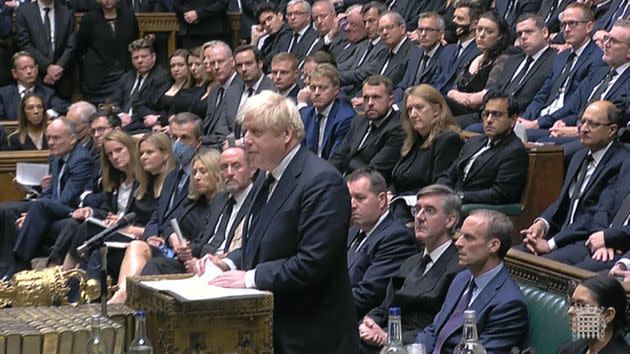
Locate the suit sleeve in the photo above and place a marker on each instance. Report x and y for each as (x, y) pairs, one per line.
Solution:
(386, 158)
(341, 131)
(449, 177)
(341, 155)
(70, 43)
(538, 103)
(446, 151)
(214, 7)
(23, 38)
(79, 174)
(504, 327)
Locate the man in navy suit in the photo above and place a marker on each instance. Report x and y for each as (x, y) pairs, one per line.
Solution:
(327, 119)
(485, 287)
(391, 27)
(292, 245)
(465, 18)
(511, 10)
(377, 243)
(285, 75)
(24, 70)
(303, 36)
(419, 287)
(275, 35)
(559, 231)
(72, 169)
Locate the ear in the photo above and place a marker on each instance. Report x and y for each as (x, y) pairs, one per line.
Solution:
(609, 314)
(382, 200)
(450, 221)
(495, 245)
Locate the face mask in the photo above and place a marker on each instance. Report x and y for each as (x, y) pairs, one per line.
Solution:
(183, 153)
(462, 30)
(588, 322)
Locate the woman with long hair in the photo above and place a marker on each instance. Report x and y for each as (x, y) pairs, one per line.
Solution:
(32, 123)
(203, 81)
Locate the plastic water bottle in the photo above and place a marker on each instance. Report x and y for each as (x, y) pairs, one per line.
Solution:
(470, 343)
(96, 345)
(140, 343)
(394, 334)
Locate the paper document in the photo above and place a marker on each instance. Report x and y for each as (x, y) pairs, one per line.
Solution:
(197, 288)
(30, 174)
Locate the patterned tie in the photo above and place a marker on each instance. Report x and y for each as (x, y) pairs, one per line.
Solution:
(456, 318)
(577, 189)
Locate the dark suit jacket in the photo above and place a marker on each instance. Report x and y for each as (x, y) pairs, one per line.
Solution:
(335, 48)
(304, 44)
(418, 296)
(398, 63)
(546, 6)
(213, 21)
(309, 208)
(497, 176)
(530, 85)
(618, 94)
(351, 74)
(605, 173)
(10, 101)
(337, 125)
(162, 214)
(589, 61)
(99, 47)
(617, 344)
(617, 237)
(500, 309)
(379, 257)
(455, 65)
(219, 121)
(522, 7)
(145, 102)
(78, 172)
(429, 75)
(380, 150)
(607, 21)
(276, 43)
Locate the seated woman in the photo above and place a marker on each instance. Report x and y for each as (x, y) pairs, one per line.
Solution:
(179, 96)
(32, 122)
(597, 315)
(203, 81)
(205, 181)
(492, 36)
(432, 142)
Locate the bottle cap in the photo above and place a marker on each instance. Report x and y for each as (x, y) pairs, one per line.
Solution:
(394, 311)
(469, 314)
(140, 314)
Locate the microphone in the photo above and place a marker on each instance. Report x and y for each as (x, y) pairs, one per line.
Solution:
(101, 236)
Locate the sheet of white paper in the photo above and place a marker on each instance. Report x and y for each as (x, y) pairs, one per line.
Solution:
(197, 288)
(30, 174)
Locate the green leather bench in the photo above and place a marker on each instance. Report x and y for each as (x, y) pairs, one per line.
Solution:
(548, 320)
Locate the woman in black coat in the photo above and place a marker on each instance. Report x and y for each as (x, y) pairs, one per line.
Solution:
(102, 41)
(32, 122)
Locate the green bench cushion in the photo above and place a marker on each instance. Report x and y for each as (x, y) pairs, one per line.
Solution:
(548, 320)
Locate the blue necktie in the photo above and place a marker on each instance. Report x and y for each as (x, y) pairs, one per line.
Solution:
(456, 319)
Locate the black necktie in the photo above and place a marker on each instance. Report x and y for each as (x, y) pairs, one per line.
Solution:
(220, 234)
(47, 24)
(261, 200)
(220, 96)
(513, 85)
(352, 252)
(250, 92)
(315, 146)
(564, 75)
(390, 55)
(577, 189)
(422, 266)
(294, 42)
(599, 91)
(421, 68)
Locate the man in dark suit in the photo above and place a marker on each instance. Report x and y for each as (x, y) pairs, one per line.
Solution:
(511, 10)
(223, 226)
(465, 18)
(327, 119)
(394, 36)
(330, 37)
(559, 231)
(375, 138)
(550, 11)
(285, 75)
(202, 20)
(485, 287)
(491, 168)
(419, 287)
(302, 205)
(571, 67)
(224, 98)
(427, 66)
(140, 89)
(273, 35)
(24, 70)
(72, 168)
(303, 36)
(45, 29)
(377, 243)
(619, 9)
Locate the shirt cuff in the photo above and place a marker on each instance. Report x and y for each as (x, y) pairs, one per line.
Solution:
(625, 262)
(250, 277)
(544, 222)
(552, 244)
(229, 263)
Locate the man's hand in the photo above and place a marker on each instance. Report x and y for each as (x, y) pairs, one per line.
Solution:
(596, 241)
(537, 246)
(151, 120)
(563, 132)
(184, 253)
(620, 271)
(304, 96)
(155, 241)
(413, 37)
(604, 254)
(20, 221)
(125, 119)
(529, 124)
(45, 182)
(11, 4)
(201, 263)
(82, 213)
(560, 47)
(257, 33)
(191, 265)
(598, 37)
(53, 72)
(191, 16)
(537, 230)
(230, 279)
(357, 102)
(371, 333)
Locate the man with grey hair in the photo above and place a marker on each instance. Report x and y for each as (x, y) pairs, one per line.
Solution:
(299, 19)
(80, 113)
(72, 168)
(301, 204)
(420, 285)
(331, 38)
(485, 286)
(391, 27)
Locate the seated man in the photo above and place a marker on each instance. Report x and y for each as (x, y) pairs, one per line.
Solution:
(419, 287)
(391, 27)
(24, 70)
(485, 287)
(299, 19)
(491, 168)
(285, 75)
(272, 35)
(330, 38)
(375, 137)
(327, 119)
(377, 242)
(560, 231)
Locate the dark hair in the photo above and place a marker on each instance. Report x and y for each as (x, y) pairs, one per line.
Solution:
(246, 47)
(183, 118)
(500, 95)
(266, 6)
(499, 227)
(141, 43)
(474, 11)
(22, 129)
(587, 12)
(321, 57)
(377, 181)
(377, 80)
(538, 20)
(112, 118)
(505, 38)
(608, 292)
(376, 5)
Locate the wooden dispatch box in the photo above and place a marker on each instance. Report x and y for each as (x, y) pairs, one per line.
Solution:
(219, 326)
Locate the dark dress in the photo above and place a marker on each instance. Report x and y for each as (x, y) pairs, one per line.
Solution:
(15, 145)
(180, 102)
(616, 345)
(199, 104)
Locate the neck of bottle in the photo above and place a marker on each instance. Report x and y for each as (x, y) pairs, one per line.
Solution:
(394, 332)
(95, 330)
(141, 329)
(470, 330)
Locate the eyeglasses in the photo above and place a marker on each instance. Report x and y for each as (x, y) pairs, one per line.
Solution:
(427, 29)
(495, 114)
(428, 211)
(100, 130)
(571, 24)
(296, 13)
(608, 39)
(594, 125)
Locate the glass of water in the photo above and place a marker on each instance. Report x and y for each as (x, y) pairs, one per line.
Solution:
(416, 348)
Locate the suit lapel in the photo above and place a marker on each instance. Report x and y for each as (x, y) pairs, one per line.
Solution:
(600, 167)
(468, 153)
(622, 82)
(363, 127)
(217, 208)
(240, 216)
(430, 279)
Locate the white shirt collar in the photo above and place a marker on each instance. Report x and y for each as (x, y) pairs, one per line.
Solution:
(278, 171)
(438, 251)
(431, 53)
(229, 82)
(256, 84)
(326, 111)
(240, 198)
(466, 43)
(599, 154)
(397, 47)
(539, 53)
(580, 50)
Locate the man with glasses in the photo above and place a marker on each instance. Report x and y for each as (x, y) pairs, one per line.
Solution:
(560, 231)
(299, 19)
(491, 168)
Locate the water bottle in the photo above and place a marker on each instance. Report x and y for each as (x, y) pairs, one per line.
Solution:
(96, 345)
(470, 343)
(140, 343)
(394, 334)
